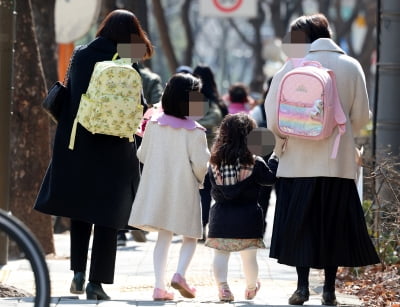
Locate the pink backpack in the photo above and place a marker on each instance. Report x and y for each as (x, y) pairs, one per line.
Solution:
(308, 103)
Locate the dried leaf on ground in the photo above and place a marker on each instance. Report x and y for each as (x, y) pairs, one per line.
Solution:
(376, 285)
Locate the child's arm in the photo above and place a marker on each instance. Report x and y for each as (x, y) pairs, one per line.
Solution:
(266, 172)
(199, 155)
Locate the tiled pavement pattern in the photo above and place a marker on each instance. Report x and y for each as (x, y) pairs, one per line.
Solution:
(134, 278)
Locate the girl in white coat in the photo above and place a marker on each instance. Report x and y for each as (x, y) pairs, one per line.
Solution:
(174, 153)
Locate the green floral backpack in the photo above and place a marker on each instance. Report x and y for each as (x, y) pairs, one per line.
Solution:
(112, 103)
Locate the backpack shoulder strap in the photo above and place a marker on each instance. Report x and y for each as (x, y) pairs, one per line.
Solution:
(296, 62)
(339, 115)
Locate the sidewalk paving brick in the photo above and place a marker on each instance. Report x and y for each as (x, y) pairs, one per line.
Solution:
(134, 278)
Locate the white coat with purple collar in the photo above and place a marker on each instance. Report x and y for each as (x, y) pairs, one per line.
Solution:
(175, 154)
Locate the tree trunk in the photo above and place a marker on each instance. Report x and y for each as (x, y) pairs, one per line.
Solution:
(7, 26)
(164, 36)
(139, 8)
(324, 6)
(30, 130)
(43, 19)
(106, 7)
(280, 22)
(188, 53)
(258, 79)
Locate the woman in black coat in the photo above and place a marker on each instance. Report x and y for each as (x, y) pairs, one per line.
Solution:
(95, 183)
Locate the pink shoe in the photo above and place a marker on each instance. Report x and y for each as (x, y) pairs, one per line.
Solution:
(162, 295)
(224, 293)
(179, 283)
(251, 293)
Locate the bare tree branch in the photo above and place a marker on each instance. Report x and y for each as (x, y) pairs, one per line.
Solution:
(279, 22)
(240, 33)
(164, 35)
(343, 27)
(188, 53)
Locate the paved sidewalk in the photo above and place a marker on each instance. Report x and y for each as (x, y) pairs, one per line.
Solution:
(134, 278)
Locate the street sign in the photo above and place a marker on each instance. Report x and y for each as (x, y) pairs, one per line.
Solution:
(228, 8)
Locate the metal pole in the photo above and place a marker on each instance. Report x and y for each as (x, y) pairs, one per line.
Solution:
(7, 37)
(376, 86)
(388, 68)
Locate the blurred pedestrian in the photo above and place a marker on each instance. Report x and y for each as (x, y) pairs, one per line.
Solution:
(319, 221)
(211, 120)
(152, 85)
(217, 110)
(174, 153)
(236, 219)
(258, 114)
(238, 98)
(95, 183)
(184, 69)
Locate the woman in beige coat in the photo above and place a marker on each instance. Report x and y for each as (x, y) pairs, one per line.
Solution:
(174, 153)
(319, 221)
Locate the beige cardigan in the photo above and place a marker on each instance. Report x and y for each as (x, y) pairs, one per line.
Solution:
(307, 158)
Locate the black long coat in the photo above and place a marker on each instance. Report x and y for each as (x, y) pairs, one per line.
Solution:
(96, 182)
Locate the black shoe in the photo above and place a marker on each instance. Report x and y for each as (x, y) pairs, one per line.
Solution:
(95, 292)
(329, 298)
(299, 296)
(204, 237)
(77, 283)
(121, 239)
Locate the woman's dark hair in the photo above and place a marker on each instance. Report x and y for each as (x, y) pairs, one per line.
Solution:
(209, 89)
(175, 99)
(314, 26)
(238, 93)
(231, 141)
(120, 26)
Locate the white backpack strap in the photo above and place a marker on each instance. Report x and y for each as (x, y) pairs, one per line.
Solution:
(73, 134)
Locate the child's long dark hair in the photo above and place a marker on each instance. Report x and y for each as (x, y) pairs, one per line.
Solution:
(231, 141)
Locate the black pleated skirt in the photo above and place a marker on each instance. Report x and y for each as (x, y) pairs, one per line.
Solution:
(319, 222)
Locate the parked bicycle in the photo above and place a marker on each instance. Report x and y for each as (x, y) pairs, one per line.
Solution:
(18, 232)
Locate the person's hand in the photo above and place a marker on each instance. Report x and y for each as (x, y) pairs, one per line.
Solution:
(359, 153)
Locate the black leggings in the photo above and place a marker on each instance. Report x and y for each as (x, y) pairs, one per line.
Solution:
(104, 250)
(330, 277)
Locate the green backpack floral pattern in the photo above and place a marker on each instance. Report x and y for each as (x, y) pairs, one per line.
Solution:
(112, 103)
